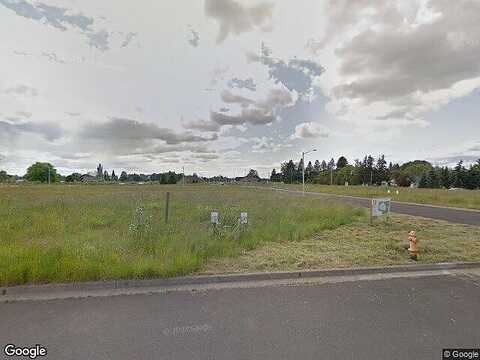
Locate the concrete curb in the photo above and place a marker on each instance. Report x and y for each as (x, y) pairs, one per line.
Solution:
(22, 290)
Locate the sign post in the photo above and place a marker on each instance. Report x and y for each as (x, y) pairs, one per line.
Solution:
(243, 220)
(214, 220)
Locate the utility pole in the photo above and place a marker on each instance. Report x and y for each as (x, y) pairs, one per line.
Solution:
(303, 172)
(183, 177)
(303, 168)
(331, 176)
(48, 175)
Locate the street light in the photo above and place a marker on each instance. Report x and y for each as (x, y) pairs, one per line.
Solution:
(303, 167)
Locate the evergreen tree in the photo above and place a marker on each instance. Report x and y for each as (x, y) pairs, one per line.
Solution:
(433, 179)
(106, 177)
(123, 176)
(3, 176)
(323, 166)
(100, 172)
(424, 181)
(459, 175)
(342, 162)
(114, 177)
(381, 172)
(316, 168)
(299, 171)
(273, 176)
(309, 171)
(445, 177)
(472, 177)
(172, 177)
(331, 164)
(288, 172)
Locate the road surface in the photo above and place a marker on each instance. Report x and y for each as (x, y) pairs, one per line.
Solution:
(395, 318)
(460, 216)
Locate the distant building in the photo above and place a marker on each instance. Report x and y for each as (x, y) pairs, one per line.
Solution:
(248, 179)
(88, 178)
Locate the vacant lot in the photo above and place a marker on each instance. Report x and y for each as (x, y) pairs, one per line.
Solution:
(63, 233)
(469, 199)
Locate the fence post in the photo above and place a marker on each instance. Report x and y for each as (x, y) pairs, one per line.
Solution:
(167, 206)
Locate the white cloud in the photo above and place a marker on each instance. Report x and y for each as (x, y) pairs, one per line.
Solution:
(383, 68)
(310, 130)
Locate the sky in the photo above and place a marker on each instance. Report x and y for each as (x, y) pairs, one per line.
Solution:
(222, 86)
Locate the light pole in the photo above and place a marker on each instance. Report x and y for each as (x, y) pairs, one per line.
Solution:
(303, 167)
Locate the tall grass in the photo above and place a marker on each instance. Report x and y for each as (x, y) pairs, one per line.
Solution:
(64, 233)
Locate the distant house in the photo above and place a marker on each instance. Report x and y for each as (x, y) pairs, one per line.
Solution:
(248, 179)
(88, 178)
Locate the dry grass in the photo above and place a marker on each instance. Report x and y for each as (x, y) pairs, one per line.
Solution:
(360, 244)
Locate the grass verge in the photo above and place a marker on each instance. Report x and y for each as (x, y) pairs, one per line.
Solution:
(359, 244)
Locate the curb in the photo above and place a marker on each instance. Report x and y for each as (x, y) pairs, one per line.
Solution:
(222, 279)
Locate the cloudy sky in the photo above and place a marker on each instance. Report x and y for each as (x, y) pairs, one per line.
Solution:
(219, 86)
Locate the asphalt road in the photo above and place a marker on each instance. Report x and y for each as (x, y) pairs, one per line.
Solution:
(433, 212)
(397, 318)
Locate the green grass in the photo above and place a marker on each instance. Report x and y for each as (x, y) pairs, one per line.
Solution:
(469, 199)
(65, 233)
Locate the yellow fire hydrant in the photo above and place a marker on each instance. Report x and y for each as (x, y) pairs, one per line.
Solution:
(413, 250)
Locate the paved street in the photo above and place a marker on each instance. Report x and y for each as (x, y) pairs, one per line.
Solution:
(432, 212)
(393, 318)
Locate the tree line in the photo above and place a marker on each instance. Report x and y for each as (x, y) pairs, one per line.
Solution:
(371, 171)
(46, 173)
(368, 171)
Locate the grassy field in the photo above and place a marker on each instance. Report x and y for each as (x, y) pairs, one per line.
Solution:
(360, 244)
(63, 233)
(469, 199)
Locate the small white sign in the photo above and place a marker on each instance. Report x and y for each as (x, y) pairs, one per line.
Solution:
(214, 217)
(381, 207)
(243, 218)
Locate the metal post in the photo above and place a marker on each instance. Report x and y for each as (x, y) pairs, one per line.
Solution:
(371, 212)
(167, 207)
(303, 172)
